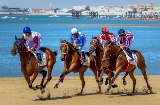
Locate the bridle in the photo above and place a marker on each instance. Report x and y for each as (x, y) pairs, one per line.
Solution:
(66, 50)
(19, 46)
(97, 45)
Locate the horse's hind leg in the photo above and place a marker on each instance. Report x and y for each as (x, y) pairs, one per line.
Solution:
(44, 73)
(95, 74)
(146, 79)
(81, 76)
(124, 78)
(133, 79)
(49, 75)
(142, 66)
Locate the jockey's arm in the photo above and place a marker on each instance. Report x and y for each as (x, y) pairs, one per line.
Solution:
(81, 41)
(35, 40)
(113, 39)
(71, 40)
(102, 40)
(23, 40)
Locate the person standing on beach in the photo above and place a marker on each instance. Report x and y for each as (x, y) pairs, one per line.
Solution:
(106, 36)
(78, 40)
(34, 39)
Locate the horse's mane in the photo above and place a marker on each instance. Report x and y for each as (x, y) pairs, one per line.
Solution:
(94, 37)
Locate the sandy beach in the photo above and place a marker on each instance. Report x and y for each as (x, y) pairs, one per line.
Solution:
(15, 91)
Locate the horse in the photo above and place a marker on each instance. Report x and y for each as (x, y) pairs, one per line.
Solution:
(29, 65)
(96, 47)
(73, 63)
(114, 55)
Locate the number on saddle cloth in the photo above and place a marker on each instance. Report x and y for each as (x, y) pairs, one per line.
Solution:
(135, 59)
(41, 58)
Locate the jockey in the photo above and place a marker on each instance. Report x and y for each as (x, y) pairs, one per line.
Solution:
(78, 40)
(106, 36)
(124, 41)
(34, 40)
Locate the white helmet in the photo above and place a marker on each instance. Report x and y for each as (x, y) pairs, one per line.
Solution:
(74, 31)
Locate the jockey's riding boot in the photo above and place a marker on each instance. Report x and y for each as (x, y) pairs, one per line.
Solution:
(39, 59)
(129, 53)
(83, 56)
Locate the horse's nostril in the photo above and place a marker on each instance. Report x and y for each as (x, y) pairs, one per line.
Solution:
(104, 68)
(62, 59)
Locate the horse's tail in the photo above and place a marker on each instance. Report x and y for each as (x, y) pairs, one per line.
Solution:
(55, 53)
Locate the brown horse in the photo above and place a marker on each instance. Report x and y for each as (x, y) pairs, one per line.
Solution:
(114, 55)
(96, 47)
(72, 63)
(29, 66)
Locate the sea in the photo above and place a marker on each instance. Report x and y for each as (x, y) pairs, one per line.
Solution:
(146, 39)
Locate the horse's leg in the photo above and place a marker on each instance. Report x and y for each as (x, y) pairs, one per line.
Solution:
(61, 78)
(146, 79)
(113, 79)
(27, 78)
(94, 70)
(101, 77)
(142, 66)
(50, 67)
(81, 76)
(133, 79)
(124, 78)
(34, 75)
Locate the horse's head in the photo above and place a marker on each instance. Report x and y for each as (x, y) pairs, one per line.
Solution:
(64, 48)
(18, 46)
(109, 50)
(94, 45)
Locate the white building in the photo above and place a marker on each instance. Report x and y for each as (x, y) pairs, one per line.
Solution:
(79, 8)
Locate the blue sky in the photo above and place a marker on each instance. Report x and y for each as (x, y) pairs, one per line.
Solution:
(71, 3)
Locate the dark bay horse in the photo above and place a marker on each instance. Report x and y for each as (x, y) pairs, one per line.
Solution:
(29, 66)
(96, 47)
(72, 63)
(115, 55)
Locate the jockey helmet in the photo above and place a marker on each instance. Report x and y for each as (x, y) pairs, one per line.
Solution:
(121, 32)
(105, 29)
(26, 29)
(74, 31)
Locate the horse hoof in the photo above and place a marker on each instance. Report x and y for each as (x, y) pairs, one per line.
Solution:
(106, 82)
(107, 92)
(34, 88)
(61, 80)
(42, 90)
(30, 86)
(124, 82)
(56, 86)
(38, 86)
(114, 86)
(100, 83)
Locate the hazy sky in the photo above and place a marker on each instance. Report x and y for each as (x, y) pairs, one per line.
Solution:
(69, 3)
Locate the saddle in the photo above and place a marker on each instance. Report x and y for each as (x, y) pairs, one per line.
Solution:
(134, 57)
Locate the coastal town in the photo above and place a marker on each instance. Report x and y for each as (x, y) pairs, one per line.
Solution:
(140, 11)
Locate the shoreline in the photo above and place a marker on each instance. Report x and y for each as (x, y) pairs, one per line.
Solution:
(106, 24)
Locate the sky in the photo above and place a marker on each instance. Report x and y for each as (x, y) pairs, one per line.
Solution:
(70, 3)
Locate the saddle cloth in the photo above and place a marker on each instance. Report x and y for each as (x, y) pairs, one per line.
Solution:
(134, 61)
(87, 63)
(43, 56)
